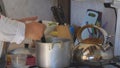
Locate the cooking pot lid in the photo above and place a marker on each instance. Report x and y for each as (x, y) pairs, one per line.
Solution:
(19, 51)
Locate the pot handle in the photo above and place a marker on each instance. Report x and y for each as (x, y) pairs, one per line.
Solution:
(104, 33)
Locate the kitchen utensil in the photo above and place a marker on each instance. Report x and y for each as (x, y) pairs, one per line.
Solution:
(54, 11)
(92, 40)
(61, 14)
(57, 15)
(93, 51)
(54, 54)
(90, 18)
(63, 32)
(62, 29)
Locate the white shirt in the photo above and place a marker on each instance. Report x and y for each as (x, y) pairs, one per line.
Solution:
(11, 30)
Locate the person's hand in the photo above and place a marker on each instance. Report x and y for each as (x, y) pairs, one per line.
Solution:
(24, 20)
(34, 30)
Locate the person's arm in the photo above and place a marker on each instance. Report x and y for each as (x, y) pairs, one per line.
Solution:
(16, 31)
(11, 30)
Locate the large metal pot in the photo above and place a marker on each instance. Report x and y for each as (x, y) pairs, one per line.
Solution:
(56, 54)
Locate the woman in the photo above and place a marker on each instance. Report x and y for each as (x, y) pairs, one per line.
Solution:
(17, 30)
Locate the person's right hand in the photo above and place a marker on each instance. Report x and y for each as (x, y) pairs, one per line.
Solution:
(34, 30)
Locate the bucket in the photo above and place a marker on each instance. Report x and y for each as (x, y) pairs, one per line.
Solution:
(55, 54)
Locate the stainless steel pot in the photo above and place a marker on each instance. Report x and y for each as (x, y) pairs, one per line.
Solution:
(56, 54)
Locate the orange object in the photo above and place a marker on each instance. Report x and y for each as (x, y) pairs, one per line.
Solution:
(8, 59)
(63, 32)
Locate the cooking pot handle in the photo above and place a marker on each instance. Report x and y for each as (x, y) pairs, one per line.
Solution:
(79, 33)
(60, 45)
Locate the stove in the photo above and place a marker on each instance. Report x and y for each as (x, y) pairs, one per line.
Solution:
(112, 63)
